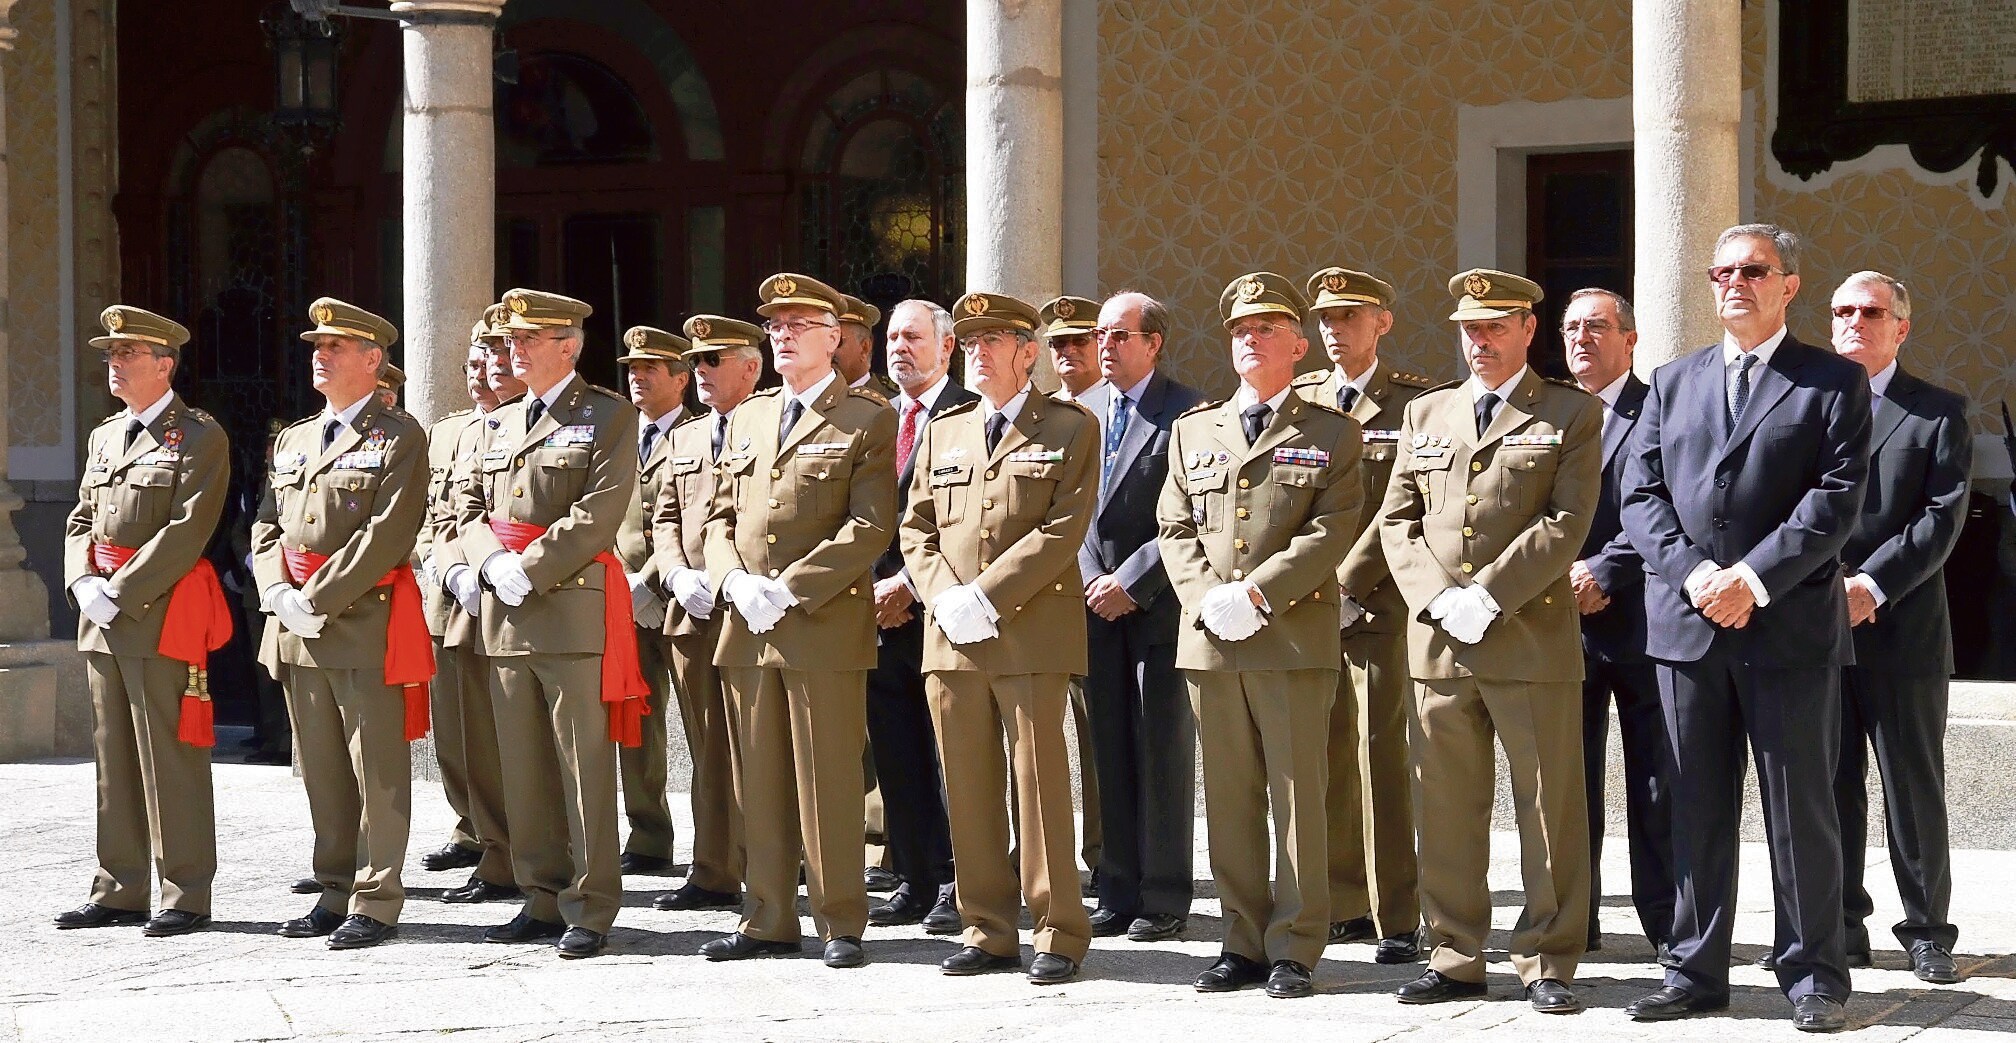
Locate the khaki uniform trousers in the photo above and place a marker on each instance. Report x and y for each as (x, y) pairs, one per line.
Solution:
(1093, 842)
(1373, 870)
(154, 802)
(350, 738)
(473, 734)
(969, 710)
(1540, 726)
(1264, 735)
(560, 791)
(642, 769)
(798, 741)
(703, 708)
(444, 697)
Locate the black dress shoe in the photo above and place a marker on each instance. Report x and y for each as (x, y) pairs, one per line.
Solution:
(1672, 1001)
(307, 885)
(450, 856)
(1107, 923)
(1768, 960)
(974, 960)
(317, 923)
(1232, 971)
(906, 905)
(1666, 956)
(91, 914)
(524, 928)
(361, 932)
(1931, 962)
(482, 891)
(1356, 929)
(1155, 927)
(580, 942)
(1289, 980)
(876, 878)
(1818, 1014)
(1436, 987)
(1552, 996)
(693, 896)
(634, 864)
(1400, 948)
(944, 915)
(739, 946)
(170, 922)
(844, 951)
(1048, 968)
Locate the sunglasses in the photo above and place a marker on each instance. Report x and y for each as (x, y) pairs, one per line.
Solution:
(1847, 312)
(1723, 275)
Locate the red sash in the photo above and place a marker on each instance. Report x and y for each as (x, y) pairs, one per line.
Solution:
(409, 649)
(198, 623)
(623, 686)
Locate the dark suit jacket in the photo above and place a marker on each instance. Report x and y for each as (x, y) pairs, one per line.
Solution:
(1618, 632)
(1121, 540)
(1781, 492)
(955, 394)
(1921, 455)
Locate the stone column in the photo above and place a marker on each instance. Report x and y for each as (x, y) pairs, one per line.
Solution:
(1014, 141)
(24, 600)
(450, 193)
(1686, 110)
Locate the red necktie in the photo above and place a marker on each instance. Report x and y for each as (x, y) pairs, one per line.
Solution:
(906, 436)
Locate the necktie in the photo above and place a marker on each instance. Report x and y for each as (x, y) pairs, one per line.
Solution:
(1116, 430)
(792, 411)
(720, 434)
(533, 411)
(1347, 396)
(329, 433)
(133, 431)
(1739, 389)
(906, 435)
(1487, 407)
(994, 425)
(1254, 420)
(651, 434)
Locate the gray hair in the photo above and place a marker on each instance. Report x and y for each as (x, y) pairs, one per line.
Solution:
(941, 320)
(1900, 298)
(1154, 314)
(1627, 318)
(742, 351)
(1786, 241)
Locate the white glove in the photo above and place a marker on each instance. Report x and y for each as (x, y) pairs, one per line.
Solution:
(1469, 614)
(267, 596)
(430, 578)
(965, 616)
(650, 615)
(94, 599)
(775, 592)
(297, 615)
(465, 588)
(752, 600)
(1349, 611)
(690, 589)
(1229, 612)
(506, 572)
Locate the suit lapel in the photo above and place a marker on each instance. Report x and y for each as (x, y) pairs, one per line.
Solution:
(953, 395)
(814, 417)
(1623, 418)
(1370, 404)
(346, 439)
(1280, 427)
(1511, 412)
(1020, 428)
(1772, 383)
(1890, 411)
(1140, 428)
(549, 422)
(143, 443)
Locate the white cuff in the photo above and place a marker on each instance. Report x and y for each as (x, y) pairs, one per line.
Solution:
(1694, 580)
(1750, 580)
(1868, 583)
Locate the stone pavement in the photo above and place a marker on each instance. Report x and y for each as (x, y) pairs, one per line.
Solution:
(238, 981)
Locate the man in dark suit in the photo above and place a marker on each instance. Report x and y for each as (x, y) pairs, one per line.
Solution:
(1600, 331)
(1894, 697)
(1144, 735)
(900, 735)
(1745, 481)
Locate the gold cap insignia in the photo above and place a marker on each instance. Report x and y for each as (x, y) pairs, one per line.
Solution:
(1335, 282)
(635, 339)
(1066, 309)
(1251, 288)
(114, 321)
(701, 327)
(323, 314)
(785, 287)
(1476, 286)
(976, 304)
(516, 304)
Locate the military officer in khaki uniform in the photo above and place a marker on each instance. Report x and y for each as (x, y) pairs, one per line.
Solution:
(726, 355)
(1484, 516)
(538, 522)
(344, 503)
(1373, 872)
(855, 361)
(1262, 498)
(391, 380)
(1000, 500)
(154, 485)
(805, 503)
(658, 375)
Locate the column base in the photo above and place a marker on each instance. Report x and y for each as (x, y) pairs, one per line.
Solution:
(45, 701)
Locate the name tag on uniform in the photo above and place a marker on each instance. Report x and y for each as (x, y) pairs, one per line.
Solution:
(823, 448)
(1430, 451)
(1308, 457)
(1373, 436)
(1037, 456)
(160, 457)
(493, 455)
(571, 435)
(286, 463)
(1201, 476)
(685, 464)
(361, 460)
(1530, 440)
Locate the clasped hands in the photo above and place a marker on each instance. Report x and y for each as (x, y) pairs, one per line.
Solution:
(1464, 612)
(1725, 598)
(1232, 611)
(293, 609)
(965, 615)
(94, 599)
(1589, 596)
(761, 601)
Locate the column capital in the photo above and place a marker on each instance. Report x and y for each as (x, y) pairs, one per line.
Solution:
(473, 9)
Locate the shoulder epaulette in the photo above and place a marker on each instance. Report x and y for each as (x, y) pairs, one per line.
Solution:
(619, 397)
(1325, 407)
(963, 407)
(691, 418)
(870, 394)
(1314, 376)
(1446, 385)
(112, 416)
(765, 391)
(451, 416)
(1199, 408)
(306, 419)
(1564, 383)
(1075, 404)
(1411, 379)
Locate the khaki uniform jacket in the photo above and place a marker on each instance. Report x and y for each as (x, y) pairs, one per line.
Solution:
(1508, 510)
(1279, 514)
(573, 473)
(634, 538)
(814, 513)
(1363, 574)
(679, 521)
(1010, 522)
(444, 448)
(162, 496)
(361, 503)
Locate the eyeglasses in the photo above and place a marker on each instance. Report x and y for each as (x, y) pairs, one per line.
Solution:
(1594, 326)
(1076, 340)
(1847, 312)
(796, 327)
(124, 354)
(1257, 330)
(1724, 274)
(1117, 337)
(992, 339)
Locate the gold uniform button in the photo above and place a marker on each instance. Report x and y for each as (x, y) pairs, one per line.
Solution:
(1060, 586)
(984, 534)
(580, 581)
(1471, 499)
(770, 537)
(521, 461)
(1468, 531)
(1476, 466)
(311, 519)
(1529, 465)
(773, 573)
(775, 473)
(1547, 600)
(1467, 568)
(381, 597)
(853, 590)
(1317, 596)
(1238, 574)
(1245, 484)
(1241, 512)
(312, 488)
(518, 491)
(1239, 544)
(990, 476)
(774, 504)
(986, 505)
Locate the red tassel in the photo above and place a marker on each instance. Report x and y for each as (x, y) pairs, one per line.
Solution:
(198, 724)
(626, 722)
(416, 712)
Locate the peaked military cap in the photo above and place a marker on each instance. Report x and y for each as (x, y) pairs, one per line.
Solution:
(854, 309)
(979, 312)
(1484, 293)
(1067, 315)
(1335, 287)
(125, 322)
(1260, 293)
(651, 344)
(339, 319)
(391, 378)
(490, 326)
(711, 333)
(539, 310)
(786, 288)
